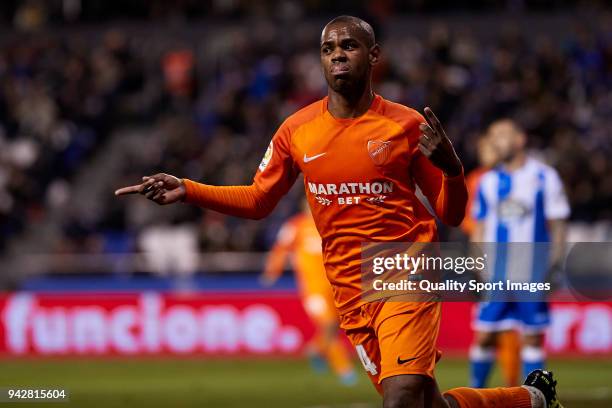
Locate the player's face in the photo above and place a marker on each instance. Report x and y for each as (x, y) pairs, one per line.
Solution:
(345, 57)
(487, 156)
(506, 140)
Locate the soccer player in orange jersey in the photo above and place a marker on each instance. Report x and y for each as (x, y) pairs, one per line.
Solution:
(362, 158)
(299, 239)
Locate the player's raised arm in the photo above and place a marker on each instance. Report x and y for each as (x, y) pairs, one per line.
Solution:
(437, 147)
(276, 174)
(438, 171)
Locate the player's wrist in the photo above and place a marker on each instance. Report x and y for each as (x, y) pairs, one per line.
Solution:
(453, 171)
(182, 190)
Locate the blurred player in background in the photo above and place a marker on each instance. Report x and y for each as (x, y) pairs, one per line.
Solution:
(362, 158)
(299, 239)
(520, 200)
(508, 341)
(487, 159)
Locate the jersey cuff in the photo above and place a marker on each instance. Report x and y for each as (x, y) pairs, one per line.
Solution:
(189, 190)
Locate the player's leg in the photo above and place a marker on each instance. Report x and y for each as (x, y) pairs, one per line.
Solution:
(534, 318)
(512, 397)
(340, 360)
(363, 327)
(433, 396)
(533, 354)
(369, 355)
(315, 353)
(409, 381)
(329, 341)
(316, 347)
(336, 353)
(356, 325)
(538, 391)
(417, 391)
(482, 357)
(405, 330)
(509, 356)
(491, 318)
(412, 390)
(407, 333)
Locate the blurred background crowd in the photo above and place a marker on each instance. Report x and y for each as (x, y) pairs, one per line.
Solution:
(197, 89)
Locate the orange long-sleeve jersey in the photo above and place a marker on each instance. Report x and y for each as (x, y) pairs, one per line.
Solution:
(360, 177)
(299, 239)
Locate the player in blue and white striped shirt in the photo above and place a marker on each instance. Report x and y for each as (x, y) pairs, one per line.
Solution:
(520, 200)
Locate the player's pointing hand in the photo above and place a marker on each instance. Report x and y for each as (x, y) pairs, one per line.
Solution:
(437, 147)
(160, 188)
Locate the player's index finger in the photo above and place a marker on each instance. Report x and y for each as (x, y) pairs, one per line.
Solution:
(432, 119)
(128, 190)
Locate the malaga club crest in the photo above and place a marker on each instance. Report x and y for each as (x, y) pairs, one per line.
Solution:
(379, 151)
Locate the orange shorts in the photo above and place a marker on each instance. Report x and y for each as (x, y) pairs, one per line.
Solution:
(393, 338)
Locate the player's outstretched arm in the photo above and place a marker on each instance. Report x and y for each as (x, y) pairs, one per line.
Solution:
(275, 176)
(160, 188)
(239, 201)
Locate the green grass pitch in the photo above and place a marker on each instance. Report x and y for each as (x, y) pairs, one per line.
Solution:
(161, 382)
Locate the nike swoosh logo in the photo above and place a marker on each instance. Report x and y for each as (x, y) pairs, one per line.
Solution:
(400, 361)
(311, 158)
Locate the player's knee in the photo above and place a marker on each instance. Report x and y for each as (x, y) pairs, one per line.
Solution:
(330, 330)
(403, 391)
(486, 339)
(402, 399)
(533, 340)
(398, 401)
(451, 402)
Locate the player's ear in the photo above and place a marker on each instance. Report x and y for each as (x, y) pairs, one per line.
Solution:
(374, 54)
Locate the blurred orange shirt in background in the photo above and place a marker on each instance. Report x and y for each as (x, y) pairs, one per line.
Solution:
(471, 182)
(299, 239)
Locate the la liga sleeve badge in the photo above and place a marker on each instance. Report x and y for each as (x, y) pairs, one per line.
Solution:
(267, 157)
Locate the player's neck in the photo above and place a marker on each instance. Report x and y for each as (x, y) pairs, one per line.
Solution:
(516, 162)
(347, 106)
